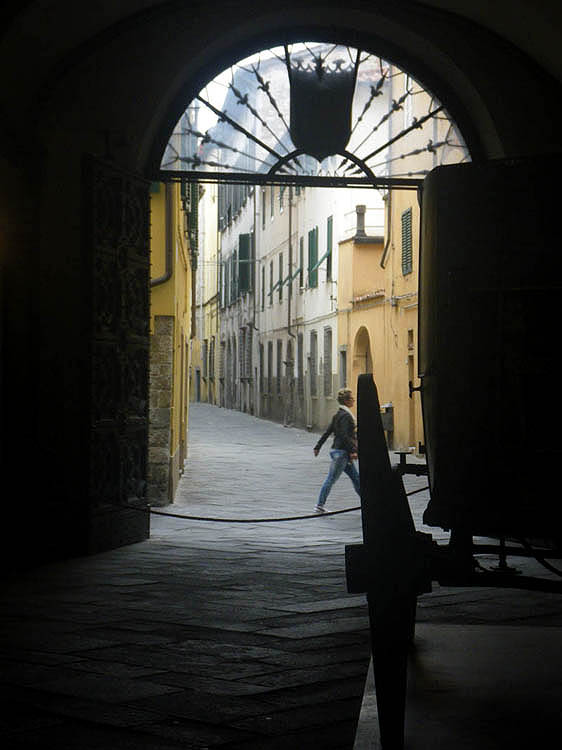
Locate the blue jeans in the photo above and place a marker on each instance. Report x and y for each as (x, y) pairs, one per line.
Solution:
(340, 462)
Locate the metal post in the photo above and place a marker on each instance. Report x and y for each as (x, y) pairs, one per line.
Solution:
(502, 566)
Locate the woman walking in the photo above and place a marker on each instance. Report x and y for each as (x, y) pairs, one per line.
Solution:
(344, 447)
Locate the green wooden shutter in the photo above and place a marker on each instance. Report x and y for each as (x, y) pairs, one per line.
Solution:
(194, 218)
(227, 289)
(312, 257)
(244, 275)
(313, 364)
(407, 253)
(329, 240)
(233, 279)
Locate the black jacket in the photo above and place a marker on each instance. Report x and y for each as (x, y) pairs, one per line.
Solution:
(343, 428)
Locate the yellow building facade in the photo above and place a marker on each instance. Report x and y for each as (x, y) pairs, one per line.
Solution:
(170, 337)
(378, 276)
(377, 318)
(206, 351)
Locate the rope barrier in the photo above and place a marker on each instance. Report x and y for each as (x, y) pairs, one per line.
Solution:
(260, 520)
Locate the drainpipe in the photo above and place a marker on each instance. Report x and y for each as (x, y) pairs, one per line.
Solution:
(253, 265)
(193, 333)
(388, 229)
(254, 271)
(168, 241)
(388, 198)
(290, 288)
(291, 385)
(194, 255)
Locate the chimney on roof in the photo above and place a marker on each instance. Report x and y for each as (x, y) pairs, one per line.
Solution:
(360, 230)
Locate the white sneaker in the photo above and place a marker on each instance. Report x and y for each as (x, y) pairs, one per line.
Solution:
(320, 509)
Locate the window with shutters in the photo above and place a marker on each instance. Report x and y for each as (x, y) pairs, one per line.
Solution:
(212, 359)
(329, 242)
(343, 368)
(244, 264)
(280, 276)
(301, 262)
(222, 359)
(327, 361)
(313, 363)
(279, 365)
(232, 274)
(221, 207)
(249, 345)
(407, 253)
(269, 366)
(271, 283)
(313, 258)
(227, 287)
(222, 285)
(263, 287)
(262, 380)
(252, 275)
(242, 353)
(263, 209)
(300, 364)
(204, 358)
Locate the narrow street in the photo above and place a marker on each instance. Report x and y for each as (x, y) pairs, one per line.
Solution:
(215, 635)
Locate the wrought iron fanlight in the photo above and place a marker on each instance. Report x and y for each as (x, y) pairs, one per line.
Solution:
(312, 111)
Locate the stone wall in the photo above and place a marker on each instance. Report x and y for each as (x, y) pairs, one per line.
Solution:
(161, 381)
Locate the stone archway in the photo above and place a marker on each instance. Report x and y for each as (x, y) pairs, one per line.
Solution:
(362, 355)
(114, 84)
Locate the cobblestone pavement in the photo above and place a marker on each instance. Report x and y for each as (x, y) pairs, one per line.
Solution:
(213, 635)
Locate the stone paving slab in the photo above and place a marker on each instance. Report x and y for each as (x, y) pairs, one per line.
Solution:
(214, 685)
(62, 707)
(213, 635)
(479, 687)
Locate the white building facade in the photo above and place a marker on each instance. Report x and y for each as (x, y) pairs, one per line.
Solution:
(279, 261)
(279, 116)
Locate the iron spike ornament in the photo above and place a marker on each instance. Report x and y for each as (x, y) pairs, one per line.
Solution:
(351, 115)
(321, 98)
